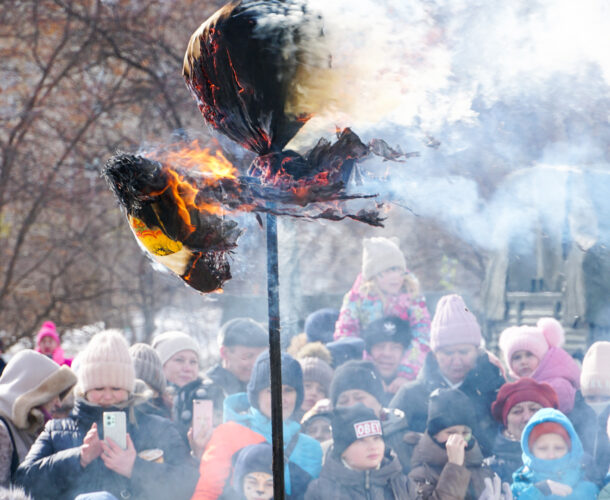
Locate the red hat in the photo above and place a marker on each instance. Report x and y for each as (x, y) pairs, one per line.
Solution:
(549, 428)
(524, 389)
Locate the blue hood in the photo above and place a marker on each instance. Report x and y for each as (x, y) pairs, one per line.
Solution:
(567, 467)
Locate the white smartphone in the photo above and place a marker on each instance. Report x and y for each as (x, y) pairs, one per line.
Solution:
(203, 415)
(115, 427)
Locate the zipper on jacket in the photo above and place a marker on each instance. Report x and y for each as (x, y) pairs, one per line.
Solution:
(367, 484)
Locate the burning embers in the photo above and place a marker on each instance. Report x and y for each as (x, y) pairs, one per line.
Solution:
(249, 74)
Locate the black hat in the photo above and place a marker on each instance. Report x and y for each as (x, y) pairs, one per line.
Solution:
(243, 331)
(387, 329)
(252, 458)
(352, 423)
(449, 407)
(260, 379)
(320, 325)
(345, 349)
(356, 375)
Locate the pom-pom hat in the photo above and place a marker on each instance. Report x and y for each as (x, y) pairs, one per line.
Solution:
(547, 333)
(48, 329)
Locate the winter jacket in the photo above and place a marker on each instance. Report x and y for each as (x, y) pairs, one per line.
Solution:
(222, 383)
(530, 477)
(506, 458)
(31, 379)
(245, 425)
(338, 482)
(432, 476)
(52, 468)
(558, 369)
(481, 385)
(361, 308)
(398, 437)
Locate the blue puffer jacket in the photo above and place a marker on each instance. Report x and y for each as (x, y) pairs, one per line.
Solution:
(567, 469)
(52, 469)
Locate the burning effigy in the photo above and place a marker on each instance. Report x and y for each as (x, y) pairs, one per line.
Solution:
(256, 70)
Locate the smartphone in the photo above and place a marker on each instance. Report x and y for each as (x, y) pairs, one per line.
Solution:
(203, 415)
(115, 427)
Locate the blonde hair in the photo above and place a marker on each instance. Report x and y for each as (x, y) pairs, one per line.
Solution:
(410, 285)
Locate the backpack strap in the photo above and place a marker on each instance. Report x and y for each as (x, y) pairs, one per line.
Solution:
(292, 444)
(15, 457)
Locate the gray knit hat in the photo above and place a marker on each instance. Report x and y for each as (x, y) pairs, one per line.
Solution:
(243, 331)
(171, 342)
(317, 370)
(148, 366)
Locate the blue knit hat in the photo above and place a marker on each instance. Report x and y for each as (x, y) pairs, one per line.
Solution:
(320, 325)
(292, 375)
(252, 458)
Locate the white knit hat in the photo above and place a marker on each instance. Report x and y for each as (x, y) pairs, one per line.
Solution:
(106, 362)
(595, 374)
(169, 343)
(380, 254)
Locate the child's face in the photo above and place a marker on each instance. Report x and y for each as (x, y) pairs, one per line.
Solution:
(549, 447)
(365, 453)
(463, 430)
(524, 363)
(48, 345)
(390, 281)
(313, 392)
(289, 400)
(319, 429)
(352, 397)
(258, 486)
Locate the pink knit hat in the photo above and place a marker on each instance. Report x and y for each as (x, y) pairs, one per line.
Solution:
(453, 323)
(548, 332)
(47, 329)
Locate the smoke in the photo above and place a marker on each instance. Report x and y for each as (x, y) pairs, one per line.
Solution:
(516, 93)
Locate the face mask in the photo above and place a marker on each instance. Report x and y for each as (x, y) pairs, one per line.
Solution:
(599, 407)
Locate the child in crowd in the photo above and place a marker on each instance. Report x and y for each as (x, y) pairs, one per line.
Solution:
(248, 421)
(149, 370)
(71, 457)
(387, 288)
(535, 351)
(552, 460)
(31, 387)
(447, 461)
(49, 344)
(315, 360)
(252, 474)
(359, 465)
(387, 339)
(316, 422)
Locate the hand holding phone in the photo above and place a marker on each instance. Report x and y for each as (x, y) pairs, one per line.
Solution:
(115, 427)
(203, 415)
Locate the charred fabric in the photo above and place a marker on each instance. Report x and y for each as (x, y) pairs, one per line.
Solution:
(246, 67)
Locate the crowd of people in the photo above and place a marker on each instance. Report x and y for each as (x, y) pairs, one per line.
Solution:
(379, 402)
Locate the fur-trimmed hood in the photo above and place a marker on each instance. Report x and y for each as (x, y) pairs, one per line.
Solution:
(31, 379)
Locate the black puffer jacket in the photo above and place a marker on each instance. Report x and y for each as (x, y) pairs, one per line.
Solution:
(52, 470)
(481, 385)
(340, 483)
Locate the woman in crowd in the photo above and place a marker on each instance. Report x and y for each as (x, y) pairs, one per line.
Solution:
(516, 403)
(248, 421)
(149, 370)
(70, 457)
(31, 387)
(385, 287)
(457, 360)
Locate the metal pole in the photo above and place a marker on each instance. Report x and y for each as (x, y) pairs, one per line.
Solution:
(273, 297)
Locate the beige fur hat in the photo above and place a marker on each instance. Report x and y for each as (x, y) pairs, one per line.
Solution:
(380, 254)
(106, 362)
(31, 379)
